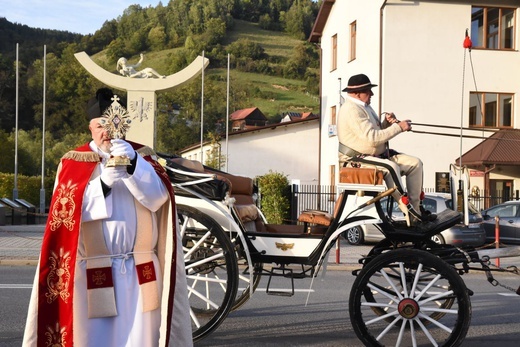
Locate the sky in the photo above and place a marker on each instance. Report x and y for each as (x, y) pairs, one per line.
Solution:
(83, 17)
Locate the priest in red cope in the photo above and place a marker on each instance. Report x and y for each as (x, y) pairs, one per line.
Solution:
(111, 269)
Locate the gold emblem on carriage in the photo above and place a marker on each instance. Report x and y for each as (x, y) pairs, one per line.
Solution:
(284, 246)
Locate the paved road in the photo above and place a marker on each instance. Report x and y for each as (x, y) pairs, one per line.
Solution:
(268, 320)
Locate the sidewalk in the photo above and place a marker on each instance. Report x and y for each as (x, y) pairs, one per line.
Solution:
(20, 245)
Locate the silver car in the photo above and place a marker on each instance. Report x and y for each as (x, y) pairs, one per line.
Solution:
(460, 235)
(509, 222)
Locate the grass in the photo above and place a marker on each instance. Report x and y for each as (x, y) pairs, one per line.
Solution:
(282, 94)
(273, 95)
(275, 43)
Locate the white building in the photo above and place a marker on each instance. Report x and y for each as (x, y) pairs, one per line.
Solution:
(290, 148)
(414, 51)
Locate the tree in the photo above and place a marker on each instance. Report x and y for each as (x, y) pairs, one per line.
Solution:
(67, 94)
(305, 56)
(299, 19)
(215, 159)
(116, 49)
(7, 91)
(157, 38)
(101, 38)
(7, 162)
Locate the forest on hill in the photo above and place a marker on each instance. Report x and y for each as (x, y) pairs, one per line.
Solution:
(266, 40)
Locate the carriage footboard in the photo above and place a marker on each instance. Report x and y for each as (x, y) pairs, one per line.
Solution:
(444, 220)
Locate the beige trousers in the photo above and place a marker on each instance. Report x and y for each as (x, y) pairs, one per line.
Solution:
(403, 165)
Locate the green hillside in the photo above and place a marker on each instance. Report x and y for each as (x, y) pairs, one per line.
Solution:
(275, 43)
(272, 68)
(272, 95)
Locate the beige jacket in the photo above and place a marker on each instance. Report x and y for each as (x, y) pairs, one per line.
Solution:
(362, 132)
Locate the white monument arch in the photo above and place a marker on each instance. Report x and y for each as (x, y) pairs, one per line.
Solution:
(141, 93)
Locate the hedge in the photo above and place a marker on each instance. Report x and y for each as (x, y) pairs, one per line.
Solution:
(28, 188)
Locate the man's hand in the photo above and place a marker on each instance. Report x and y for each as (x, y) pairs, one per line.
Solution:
(390, 118)
(121, 148)
(111, 175)
(406, 125)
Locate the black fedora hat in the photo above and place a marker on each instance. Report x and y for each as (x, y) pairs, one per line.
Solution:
(358, 83)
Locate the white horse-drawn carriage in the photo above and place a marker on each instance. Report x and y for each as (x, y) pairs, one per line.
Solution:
(408, 290)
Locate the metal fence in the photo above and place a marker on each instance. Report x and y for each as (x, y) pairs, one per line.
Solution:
(323, 198)
(485, 201)
(312, 197)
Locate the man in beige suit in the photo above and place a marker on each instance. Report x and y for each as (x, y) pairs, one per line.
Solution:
(364, 138)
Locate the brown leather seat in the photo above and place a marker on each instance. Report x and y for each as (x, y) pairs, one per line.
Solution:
(320, 217)
(360, 175)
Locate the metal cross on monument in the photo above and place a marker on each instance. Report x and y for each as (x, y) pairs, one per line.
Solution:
(141, 93)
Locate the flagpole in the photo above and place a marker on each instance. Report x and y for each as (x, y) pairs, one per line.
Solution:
(227, 114)
(202, 114)
(42, 190)
(15, 189)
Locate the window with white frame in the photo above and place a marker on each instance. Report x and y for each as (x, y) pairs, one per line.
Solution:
(491, 110)
(493, 27)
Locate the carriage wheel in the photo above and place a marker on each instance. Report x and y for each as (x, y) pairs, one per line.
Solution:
(243, 293)
(211, 270)
(395, 301)
(244, 278)
(444, 303)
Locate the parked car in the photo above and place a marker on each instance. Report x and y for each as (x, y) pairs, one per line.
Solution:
(509, 222)
(460, 235)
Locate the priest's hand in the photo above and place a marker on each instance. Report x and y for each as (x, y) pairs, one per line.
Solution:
(111, 175)
(121, 148)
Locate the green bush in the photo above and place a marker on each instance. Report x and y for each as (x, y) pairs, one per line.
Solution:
(28, 188)
(273, 188)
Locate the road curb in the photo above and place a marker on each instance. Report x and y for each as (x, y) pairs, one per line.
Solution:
(18, 262)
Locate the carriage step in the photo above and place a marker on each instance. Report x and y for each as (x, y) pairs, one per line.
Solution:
(280, 272)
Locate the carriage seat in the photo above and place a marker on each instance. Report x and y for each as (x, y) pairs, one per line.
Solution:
(321, 218)
(240, 188)
(358, 175)
(315, 217)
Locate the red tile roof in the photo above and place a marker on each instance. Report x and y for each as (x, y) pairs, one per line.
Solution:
(501, 148)
(242, 114)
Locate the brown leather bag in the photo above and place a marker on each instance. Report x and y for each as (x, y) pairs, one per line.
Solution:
(360, 175)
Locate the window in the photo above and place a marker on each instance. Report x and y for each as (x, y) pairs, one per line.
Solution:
(430, 204)
(334, 61)
(352, 54)
(504, 211)
(492, 28)
(493, 110)
(333, 115)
